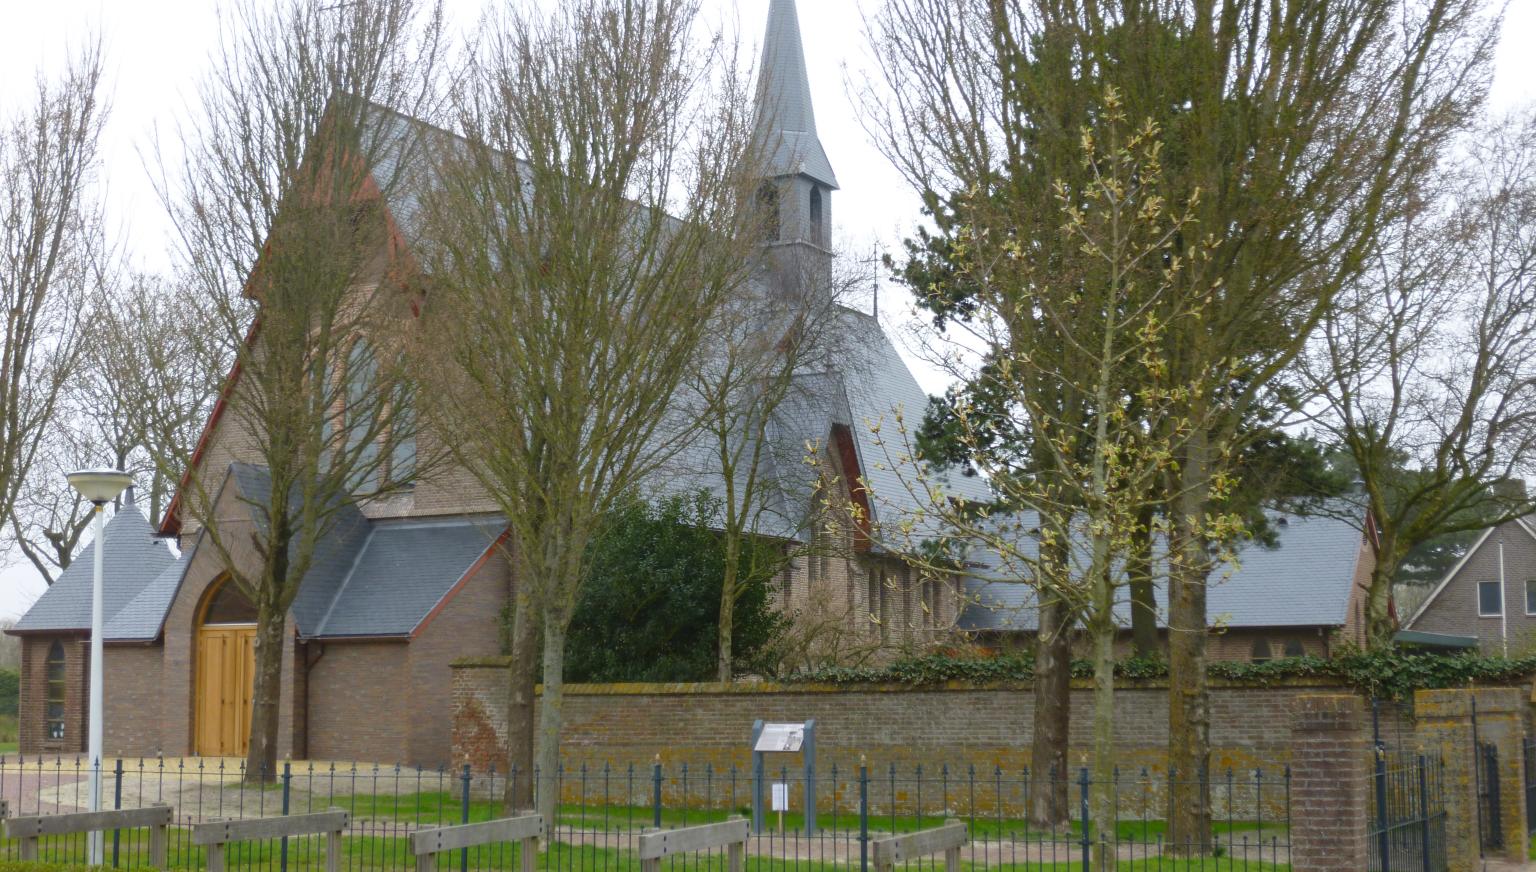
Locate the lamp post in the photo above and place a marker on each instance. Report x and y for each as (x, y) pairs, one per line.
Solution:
(99, 486)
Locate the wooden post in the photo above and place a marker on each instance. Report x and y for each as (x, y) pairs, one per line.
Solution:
(949, 838)
(737, 856)
(529, 849)
(29, 848)
(216, 857)
(333, 851)
(157, 846)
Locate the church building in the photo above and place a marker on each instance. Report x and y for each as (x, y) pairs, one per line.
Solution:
(406, 584)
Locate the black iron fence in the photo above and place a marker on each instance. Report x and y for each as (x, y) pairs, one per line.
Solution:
(1490, 824)
(604, 808)
(1528, 767)
(1407, 815)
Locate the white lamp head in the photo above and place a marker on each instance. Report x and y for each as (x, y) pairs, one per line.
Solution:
(100, 485)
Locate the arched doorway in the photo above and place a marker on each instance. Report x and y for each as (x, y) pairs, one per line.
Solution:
(225, 669)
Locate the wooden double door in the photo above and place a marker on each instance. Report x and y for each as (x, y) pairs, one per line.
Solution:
(226, 671)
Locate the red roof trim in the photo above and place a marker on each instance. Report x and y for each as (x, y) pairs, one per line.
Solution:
(848, 456)
(459, 585)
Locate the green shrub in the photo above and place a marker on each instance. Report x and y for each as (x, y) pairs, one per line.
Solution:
(1391, 674)
(10, 691)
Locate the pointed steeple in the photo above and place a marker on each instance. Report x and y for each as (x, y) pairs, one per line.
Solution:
(786, 121)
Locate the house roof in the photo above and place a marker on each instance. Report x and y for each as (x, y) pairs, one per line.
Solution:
(132, 560)
(368, 578)
(1522, 524)
(1305, 580)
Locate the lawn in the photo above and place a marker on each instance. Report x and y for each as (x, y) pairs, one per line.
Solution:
(445, 807)
(367, 854)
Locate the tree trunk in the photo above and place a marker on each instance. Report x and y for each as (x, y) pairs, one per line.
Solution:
(522, 677)
(1143, 598)
(727, 608)
(1053, 701)
(1102, 792)
(551, 705)
(1379, 626)
(266, 691)
(1189, 721)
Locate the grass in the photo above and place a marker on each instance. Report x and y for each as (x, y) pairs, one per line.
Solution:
(370, 853)
(433, 807)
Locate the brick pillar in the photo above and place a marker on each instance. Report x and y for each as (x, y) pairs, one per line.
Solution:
(1501, 722)
(1330, 780)
(1445, 731)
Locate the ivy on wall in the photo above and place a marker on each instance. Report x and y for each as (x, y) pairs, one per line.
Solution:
(1387, 674)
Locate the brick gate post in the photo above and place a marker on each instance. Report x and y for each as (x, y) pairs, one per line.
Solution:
(1445, 730)
(1330, 780)
(1501, 722)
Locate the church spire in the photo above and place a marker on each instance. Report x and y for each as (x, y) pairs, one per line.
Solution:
(786, 121)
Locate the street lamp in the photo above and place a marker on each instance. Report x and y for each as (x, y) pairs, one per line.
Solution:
(99, 486)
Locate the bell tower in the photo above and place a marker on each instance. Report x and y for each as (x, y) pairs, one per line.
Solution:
(797, 185)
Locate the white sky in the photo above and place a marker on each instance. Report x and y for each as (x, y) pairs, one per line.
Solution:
(157, 49)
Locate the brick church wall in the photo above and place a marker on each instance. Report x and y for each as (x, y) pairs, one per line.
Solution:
(32, 706)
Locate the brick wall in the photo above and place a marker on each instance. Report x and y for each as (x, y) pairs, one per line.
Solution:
(32, 705)
(130, 700)
(959, 725)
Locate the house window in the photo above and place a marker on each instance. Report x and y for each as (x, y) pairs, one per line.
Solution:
(53, 704)
(402, 458)
(1260, 653)
(1530, 596)
(1490, 599)
(930, 602)
(1294, 648)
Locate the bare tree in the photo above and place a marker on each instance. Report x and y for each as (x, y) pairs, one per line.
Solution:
(761, 347)
(52, 250)
(282, 204)
(1426, 371)
(569, 305)
(141, 374)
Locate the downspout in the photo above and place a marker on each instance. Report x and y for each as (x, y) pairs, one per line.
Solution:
(1504, 610)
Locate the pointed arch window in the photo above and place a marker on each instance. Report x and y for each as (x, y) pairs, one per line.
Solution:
(361, 415)
(817, 222)
(768, 211)
(1261, 652)
(53, 702)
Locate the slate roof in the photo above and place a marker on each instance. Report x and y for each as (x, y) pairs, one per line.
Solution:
(133, 560)
(786, 120)
(1305, 580)
(368, 578)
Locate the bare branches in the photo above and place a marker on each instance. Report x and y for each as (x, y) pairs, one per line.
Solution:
(583, 236)
(1424, 373)
(289, 209)
(52, 250)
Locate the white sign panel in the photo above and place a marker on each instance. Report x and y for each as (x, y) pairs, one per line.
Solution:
(781, 737)
(780, 797)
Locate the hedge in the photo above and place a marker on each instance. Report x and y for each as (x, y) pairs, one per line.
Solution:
(1388, 674)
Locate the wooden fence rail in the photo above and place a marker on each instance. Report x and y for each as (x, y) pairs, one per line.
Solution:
(216, 834)
(731, 834)
(949, 838)
(525, 830)
(29, 829)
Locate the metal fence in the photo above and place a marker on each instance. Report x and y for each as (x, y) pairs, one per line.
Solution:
(1407, 819)
(604, 808)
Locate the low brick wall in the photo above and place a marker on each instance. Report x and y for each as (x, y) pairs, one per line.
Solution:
(958, 726)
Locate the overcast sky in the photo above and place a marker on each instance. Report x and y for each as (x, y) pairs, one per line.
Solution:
(156, 50)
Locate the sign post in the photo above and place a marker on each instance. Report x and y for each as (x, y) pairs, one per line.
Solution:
(783, 739)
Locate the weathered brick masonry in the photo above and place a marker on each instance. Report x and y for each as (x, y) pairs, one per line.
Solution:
(958, 725)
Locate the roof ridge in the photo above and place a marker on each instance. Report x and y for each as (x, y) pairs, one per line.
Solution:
(357, 560)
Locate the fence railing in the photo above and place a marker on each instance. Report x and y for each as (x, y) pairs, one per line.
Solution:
(604, 809)
(1407, 815)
